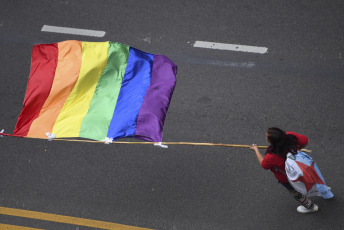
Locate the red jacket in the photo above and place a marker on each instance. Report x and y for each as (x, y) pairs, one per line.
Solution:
(272, 160)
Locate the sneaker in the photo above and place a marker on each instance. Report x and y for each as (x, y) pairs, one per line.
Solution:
(303, 210)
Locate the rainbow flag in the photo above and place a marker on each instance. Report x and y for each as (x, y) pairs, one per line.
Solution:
(96, 90)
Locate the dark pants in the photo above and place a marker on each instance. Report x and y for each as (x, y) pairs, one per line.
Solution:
(302, 199)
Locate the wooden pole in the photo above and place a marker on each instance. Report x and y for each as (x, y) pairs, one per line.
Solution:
(163, 143)
(172, 143)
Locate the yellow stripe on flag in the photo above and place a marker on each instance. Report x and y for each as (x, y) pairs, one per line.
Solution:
(94, 58)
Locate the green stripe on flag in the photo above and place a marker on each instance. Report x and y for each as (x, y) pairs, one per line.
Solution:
(96, 123)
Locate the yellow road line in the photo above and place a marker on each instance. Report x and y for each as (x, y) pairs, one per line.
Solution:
(66, 219)
(14, 227)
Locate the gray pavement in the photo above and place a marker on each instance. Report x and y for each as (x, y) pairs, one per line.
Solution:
(297, 86)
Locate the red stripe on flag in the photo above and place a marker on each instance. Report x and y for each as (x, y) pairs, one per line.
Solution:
(43, 66)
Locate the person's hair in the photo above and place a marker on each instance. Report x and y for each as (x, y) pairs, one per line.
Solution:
(281, 143)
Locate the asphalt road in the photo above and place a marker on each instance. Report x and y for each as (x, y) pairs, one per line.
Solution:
(221, 97)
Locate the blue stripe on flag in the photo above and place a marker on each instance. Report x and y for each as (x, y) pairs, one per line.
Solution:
(135, 83)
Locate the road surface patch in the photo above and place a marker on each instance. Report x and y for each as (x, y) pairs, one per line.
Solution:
(64, 219)
(15, 227)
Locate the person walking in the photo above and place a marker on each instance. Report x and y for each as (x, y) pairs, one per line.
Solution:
(282, 143)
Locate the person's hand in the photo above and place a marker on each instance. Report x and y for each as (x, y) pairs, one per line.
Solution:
(254, 147)
(258, 154)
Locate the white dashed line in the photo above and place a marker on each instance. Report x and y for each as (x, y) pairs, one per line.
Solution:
(231, 47)
(66, 30)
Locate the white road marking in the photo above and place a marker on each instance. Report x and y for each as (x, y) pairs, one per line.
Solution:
(231, 47)
(66, 30)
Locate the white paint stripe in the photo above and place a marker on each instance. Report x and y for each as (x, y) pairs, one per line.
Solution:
(66, 30)
(232, 47)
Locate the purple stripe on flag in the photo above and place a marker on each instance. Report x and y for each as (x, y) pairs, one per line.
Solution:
(150, 122)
